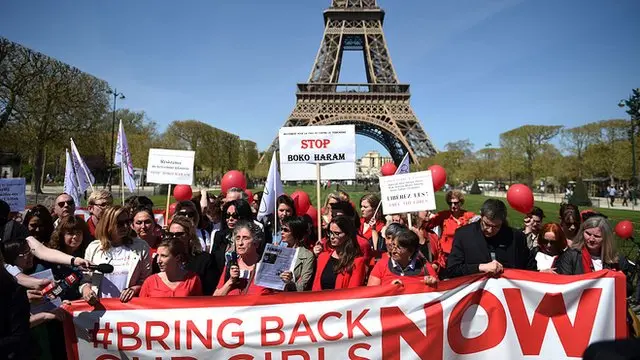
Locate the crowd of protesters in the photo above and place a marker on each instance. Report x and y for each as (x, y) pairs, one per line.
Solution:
(212, 246)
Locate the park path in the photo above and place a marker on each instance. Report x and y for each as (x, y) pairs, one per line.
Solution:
(598, 202)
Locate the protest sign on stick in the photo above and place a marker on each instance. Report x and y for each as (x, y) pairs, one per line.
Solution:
(172, 167)
(329, 150)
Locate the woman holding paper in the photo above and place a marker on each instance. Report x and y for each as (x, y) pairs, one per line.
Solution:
(344, 266)
(129, 255)
(240, 270)
(293, 232)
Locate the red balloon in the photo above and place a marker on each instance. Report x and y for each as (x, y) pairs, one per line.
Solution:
(313, 213)
(388, 169)
(249, 196)
(231, 179)
(439, 176)
(182, 192)
(172, 210)
(624, 229)
(301, 201)
(520, 197)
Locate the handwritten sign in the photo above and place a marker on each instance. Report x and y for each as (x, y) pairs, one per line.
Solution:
(12, 191)
(407, 193)
(170, 166)
(334, 147)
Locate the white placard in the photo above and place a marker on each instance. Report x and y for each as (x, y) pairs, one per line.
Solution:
(407, 193)
(334, 147)
(170, 166)
(13, 192)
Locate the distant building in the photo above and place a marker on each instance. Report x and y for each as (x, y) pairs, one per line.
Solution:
(369, 165)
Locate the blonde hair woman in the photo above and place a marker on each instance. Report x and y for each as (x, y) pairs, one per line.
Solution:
(593, 249)
(128, 255)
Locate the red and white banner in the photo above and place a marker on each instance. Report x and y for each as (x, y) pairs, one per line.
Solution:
(519, 315)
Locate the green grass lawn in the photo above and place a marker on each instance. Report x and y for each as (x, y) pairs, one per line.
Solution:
(472, 203)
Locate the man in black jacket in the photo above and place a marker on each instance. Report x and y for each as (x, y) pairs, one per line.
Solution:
(489, 245)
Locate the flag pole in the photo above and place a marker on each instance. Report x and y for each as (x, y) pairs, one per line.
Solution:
(166, 214)
(122, 182)
(318, 195)
(275, 199)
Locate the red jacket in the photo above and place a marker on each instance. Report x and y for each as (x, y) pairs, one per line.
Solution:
(344, 280)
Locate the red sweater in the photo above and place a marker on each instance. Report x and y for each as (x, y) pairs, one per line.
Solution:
(386, 274)
(153, 286)
(344, 280)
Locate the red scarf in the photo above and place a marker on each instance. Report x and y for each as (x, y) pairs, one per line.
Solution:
(586, 261)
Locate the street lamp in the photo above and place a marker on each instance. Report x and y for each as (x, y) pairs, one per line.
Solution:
(116, 96)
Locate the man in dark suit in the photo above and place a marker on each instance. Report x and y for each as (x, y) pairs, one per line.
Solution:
(488, 245)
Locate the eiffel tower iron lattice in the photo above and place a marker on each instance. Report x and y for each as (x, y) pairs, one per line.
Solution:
(380, 109)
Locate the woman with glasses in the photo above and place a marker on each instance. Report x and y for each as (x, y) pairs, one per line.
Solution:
(199, 262)
(72, 238)
(285, 208)
(117, 245)
(232, 212)
(344, 266)
(240, 270)
(173, 280)
(405, 263)
(448, 221)
(550, 244)
(192, 210)
(145, 226)
(294, 230)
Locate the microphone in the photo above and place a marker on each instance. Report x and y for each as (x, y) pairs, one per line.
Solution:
(103, 268)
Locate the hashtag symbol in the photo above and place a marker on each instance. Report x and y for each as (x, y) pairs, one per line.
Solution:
(103, 333)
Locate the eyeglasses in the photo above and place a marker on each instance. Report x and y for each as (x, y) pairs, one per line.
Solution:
(174, 235)
(101, 205)
(335, 234)
(544, 242)
(232, 216)
(25, 253)
(284, 229)
(68, 202)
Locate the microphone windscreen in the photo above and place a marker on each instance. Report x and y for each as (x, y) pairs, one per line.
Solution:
(105, 268)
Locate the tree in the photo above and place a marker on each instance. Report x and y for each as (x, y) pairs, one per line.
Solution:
(248, 155)
(610, 154)
(576, 140)
(51, 100)
(527, 141)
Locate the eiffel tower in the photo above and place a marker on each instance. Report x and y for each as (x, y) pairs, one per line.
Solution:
(380, 108)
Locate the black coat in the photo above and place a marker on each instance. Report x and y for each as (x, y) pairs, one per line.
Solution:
(470, 249)
(15, 340)
(570, 263)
